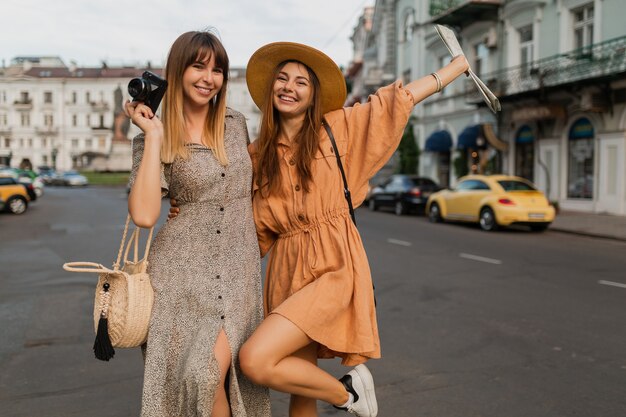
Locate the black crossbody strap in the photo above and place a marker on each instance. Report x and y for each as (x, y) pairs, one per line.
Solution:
(346, 189)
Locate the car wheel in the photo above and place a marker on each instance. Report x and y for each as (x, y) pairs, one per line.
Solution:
(372, 204)
(399, 208)
(538, 227)
(17, 205)
(488, 220)
(434, 213)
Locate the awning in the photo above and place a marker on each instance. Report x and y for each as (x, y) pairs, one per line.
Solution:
(439, 141)
(468, 139)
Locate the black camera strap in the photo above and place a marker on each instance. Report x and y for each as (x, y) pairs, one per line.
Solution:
(346, 189)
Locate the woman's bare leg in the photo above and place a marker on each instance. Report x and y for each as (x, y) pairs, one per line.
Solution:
(267, 359)
(221, 407)
(303, 406)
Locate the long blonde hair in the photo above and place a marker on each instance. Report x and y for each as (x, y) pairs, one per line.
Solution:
(187, 49)
(306, 141)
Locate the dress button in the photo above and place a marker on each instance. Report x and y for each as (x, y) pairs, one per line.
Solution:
(218, 232)
(221, 208)
(223, 317)
(301, 217)
(292, 162)
(219, 297)
(223, 175)
(297, 188)
(217, 276)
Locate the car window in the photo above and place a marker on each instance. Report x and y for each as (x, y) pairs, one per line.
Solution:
(422, 181)
(514, 185)
(472, 185)
(5, 181)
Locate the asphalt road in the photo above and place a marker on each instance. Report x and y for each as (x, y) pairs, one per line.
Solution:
(506, 324)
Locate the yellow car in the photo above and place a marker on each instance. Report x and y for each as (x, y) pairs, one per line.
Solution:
(14, 196)
(492, 201)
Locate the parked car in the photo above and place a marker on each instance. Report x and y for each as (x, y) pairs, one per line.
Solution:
(492, 201)
(402, 193)
(69, 178)
(24, 176)
(46, 173)
(15, 196)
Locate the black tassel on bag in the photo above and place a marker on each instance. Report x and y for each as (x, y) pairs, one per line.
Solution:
(102, 346)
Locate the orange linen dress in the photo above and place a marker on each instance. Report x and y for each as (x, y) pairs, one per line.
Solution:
(318, 275)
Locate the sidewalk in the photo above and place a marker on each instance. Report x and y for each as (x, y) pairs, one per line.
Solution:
(590, 224)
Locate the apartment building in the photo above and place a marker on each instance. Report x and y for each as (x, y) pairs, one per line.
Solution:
(72, 118)
(559, 69)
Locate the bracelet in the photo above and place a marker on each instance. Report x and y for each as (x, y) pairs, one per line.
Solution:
(439, 83)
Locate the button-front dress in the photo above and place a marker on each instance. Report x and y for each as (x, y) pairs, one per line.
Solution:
(205, 269)
(317, 273)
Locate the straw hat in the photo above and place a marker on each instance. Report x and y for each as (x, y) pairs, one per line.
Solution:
(263, 62)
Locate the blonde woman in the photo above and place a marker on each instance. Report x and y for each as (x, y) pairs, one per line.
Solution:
(204, 264)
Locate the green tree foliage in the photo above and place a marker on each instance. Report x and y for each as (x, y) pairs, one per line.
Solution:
(460, 164)
(408, 152)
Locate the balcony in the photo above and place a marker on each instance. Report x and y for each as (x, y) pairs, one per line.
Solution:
(599, 61)
(47, 130)
(100, 129)
(23, 104)
(5, 130)
(461, 13)
(99, 106)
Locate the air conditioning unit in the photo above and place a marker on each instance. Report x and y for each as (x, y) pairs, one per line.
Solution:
(491, 39)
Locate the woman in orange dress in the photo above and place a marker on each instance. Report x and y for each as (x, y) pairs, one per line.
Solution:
(318, 293)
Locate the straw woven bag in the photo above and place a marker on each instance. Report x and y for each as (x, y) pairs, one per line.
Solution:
(123, 299)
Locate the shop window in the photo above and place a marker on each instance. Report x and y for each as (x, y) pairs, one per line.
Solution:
(580, 160)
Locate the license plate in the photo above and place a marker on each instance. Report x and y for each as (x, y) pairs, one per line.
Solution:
(536, 215)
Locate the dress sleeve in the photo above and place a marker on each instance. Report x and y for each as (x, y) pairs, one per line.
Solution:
(369, 134)
(265, 235)
(138, 146)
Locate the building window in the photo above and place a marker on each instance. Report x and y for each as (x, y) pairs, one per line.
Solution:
(525, 153)
(3, 97)
(47, 97)
(87, 97)
(87, 120)
(526, 47)
(44, 142)
(88, 143)
(25, 118)
(101, 120)
(580, 160)
(21, 143)
(73, 97)
(74, 120)
(3, 119)
(583, 26)
(30, 143)
(407, 27)
(44, 159)
(7, 143)
(481, 54)
(24, 99)
(74, 143)
(102, 143)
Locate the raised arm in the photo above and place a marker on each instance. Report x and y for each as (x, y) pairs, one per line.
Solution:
(144, 201)
(430, 84)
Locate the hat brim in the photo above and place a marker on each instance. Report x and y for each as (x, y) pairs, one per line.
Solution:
(264, 61)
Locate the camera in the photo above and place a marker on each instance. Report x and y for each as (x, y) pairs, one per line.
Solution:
(149, 89)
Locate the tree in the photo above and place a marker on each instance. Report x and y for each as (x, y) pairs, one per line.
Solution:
(408, 151)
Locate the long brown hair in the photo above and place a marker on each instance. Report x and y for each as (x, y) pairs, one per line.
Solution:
(306, 141)
(191, 47)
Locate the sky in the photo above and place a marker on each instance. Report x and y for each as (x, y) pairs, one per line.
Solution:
(127, 32)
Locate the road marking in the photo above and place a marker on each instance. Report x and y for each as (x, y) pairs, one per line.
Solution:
(399, 242)
(611, 283)
(480, 258)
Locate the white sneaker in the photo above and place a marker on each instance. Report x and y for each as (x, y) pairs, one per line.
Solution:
(360, 384)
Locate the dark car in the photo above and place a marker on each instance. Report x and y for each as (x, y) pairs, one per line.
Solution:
(403, 193)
